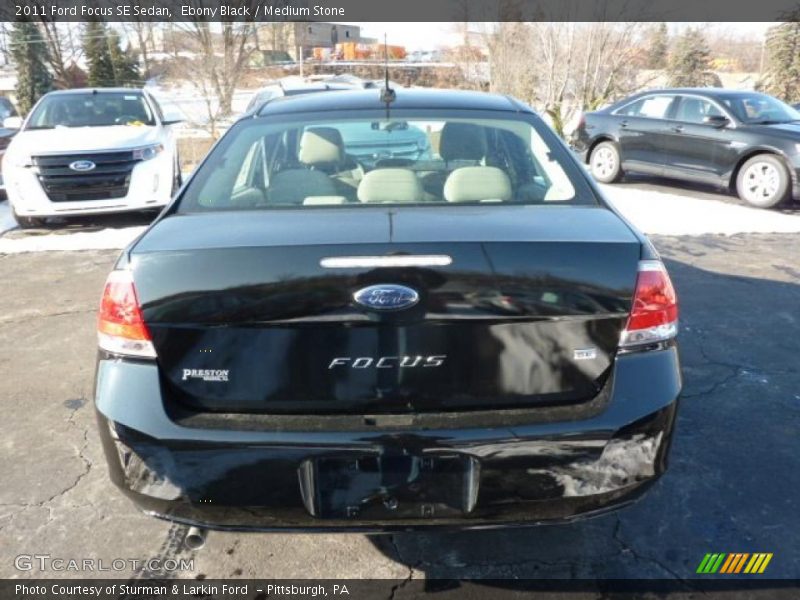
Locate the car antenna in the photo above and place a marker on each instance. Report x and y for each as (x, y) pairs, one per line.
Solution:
(388, 95)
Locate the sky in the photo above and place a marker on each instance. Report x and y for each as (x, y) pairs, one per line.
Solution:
(414, 36)
(429, 36)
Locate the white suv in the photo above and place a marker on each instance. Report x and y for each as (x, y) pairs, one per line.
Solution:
(90, 151)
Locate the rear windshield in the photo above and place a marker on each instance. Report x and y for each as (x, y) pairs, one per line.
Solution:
(91, 110)
(397, 160)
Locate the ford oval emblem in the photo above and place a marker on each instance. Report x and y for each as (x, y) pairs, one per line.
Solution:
(82, 165)
(387, 296)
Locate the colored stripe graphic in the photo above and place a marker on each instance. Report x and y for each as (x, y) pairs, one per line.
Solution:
(740, 564)
(718, 562)
(728, 562)
(704, 564)
(754, 563)
(710, 563)
(764, 564)
(734, 563)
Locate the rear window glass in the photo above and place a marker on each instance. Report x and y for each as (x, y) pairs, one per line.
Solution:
(653, 107)
(263, 164)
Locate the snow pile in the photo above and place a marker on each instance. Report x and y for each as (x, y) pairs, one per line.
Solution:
(664, 213)
(185, 101)
(103, 239)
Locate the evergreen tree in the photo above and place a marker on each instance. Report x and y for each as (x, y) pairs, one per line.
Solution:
(98, 56)
(124, 62)
(782, 71)
(29, 53)
(658, 47)
(688, 64)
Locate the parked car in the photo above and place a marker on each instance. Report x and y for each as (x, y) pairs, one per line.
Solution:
(425, 56)
(90, 151)
(372, 144)
(745, 141)
(9, 120)
(293, 87)
(475, 338)
(6, 135)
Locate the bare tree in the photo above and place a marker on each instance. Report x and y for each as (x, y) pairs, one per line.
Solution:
(734, 50)
(510, 70)
(64, 50)
(279, 34)
(4, 49)
(143, 32)
(565, 67)
(221, 57)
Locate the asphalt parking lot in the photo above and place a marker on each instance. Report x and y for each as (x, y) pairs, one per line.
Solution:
(732, 485)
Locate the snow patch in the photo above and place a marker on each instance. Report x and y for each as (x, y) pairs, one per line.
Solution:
(104, 239)
(665, 213)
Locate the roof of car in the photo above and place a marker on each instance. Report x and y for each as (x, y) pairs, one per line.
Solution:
(306, 86)
(406, 98)
(707, 91)
(99, 90)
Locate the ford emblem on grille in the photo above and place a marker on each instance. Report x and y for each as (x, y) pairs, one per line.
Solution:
(387, 296)
(82, 165)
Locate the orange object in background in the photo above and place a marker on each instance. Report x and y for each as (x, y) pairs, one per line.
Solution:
(320, 54)
(359, 51)
(396, 52)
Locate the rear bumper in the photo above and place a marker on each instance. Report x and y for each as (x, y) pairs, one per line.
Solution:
(545, 469)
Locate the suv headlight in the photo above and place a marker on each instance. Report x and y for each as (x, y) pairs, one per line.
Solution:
(148, 152)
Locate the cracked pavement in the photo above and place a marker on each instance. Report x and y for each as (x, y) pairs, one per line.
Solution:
(732, 484)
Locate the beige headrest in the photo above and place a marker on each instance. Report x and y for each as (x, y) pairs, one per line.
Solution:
(462, 141)
(321, 146)
(477, 184)
(390, 185)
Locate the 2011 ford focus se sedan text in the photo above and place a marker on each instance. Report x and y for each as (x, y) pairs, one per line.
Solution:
(468, 337)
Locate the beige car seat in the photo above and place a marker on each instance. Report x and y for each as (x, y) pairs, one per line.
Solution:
(457, 142)
(322, 152)
(478, 184)
(391, 185)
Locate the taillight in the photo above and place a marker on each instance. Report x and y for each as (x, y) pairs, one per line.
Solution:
(654, 311)
(120, 324)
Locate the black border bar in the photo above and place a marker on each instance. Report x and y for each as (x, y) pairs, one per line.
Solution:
(357, 589)
(402, 10)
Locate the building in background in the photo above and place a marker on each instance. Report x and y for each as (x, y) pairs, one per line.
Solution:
(295, 38)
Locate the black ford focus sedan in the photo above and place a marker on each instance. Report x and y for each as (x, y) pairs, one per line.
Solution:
(468, 337)
(743, 141)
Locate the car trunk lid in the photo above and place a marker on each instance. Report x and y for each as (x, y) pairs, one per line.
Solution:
(245, 317)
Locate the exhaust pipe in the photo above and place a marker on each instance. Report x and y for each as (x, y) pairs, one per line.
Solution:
(195, 538)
